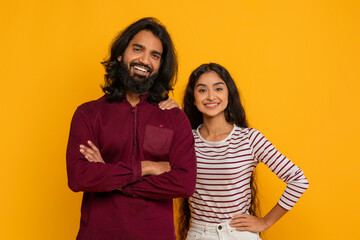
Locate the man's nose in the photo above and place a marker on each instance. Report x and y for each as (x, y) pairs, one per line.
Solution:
(145, 59)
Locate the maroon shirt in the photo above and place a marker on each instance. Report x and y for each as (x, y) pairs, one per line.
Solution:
(126, 136)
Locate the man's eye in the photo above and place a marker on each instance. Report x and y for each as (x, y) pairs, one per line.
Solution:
(137, 49)
(156, 56)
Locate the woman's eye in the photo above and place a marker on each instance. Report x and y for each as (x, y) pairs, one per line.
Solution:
(219, 89)
(137, 50)
(202, 90)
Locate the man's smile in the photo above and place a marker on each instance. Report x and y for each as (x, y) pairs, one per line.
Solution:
(140, 71)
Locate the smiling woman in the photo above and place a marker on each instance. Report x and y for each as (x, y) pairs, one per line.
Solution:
(224, 205)
(211, 95)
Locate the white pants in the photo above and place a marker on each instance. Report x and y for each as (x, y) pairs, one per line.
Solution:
(221, 231)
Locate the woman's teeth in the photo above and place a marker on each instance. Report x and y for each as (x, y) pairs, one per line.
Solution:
(211, 104)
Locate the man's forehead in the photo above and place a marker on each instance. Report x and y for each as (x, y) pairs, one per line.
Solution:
(146, 39)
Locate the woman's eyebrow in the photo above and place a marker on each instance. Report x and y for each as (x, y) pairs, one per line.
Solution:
(201, 85)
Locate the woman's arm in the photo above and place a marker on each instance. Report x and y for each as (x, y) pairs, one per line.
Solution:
(296, 182)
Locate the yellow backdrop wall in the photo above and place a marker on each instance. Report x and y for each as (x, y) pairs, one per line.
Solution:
(295, 62)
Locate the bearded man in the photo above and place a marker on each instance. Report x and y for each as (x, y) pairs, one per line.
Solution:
(129, 157)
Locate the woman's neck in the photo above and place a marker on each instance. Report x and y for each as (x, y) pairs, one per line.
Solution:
(215, 129)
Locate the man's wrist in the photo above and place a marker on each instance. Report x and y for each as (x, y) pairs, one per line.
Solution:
(146, 168)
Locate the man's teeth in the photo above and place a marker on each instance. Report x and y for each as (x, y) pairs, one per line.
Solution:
(140, 69)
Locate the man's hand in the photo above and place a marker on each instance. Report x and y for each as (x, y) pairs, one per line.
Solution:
(154, 168)
(168, 104)
(92, 154)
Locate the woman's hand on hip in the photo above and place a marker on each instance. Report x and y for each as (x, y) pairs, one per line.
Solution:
(246, 222)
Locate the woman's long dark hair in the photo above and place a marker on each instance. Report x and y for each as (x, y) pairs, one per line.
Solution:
(114, 87)
(234, 114)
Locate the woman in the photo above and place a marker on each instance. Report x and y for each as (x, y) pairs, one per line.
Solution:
(227, 151)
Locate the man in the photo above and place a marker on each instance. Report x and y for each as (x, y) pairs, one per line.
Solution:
(134, 158)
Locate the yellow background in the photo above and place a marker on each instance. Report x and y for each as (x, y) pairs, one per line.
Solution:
(296, 64)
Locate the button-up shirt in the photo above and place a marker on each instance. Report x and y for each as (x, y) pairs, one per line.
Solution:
(125, 136)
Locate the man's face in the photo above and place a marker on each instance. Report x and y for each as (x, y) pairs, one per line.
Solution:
(143, 55)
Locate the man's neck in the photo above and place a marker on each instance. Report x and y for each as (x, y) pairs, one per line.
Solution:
(133, 98)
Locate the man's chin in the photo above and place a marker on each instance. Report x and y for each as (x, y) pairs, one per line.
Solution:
(139, 78)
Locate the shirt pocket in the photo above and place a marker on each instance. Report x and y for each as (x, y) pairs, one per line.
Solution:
(157, 140)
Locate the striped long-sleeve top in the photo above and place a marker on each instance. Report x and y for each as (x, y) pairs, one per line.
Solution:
(224, 170)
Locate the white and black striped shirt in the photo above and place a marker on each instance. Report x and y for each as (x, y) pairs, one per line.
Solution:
(224, 169)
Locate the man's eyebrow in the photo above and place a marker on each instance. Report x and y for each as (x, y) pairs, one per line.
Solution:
(143, 47)
(138, 45)
(157, 52)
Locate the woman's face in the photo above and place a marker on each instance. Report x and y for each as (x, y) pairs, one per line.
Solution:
(211, 95)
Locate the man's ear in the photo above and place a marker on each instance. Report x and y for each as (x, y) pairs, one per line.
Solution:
(119, 58)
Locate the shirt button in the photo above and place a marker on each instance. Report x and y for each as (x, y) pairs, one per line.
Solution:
(220, 227)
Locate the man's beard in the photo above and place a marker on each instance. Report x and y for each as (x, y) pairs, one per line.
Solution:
(136, 84)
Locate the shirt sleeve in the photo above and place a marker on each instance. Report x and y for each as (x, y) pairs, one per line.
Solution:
(288, 172)
(180, 181)
(89, 176)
